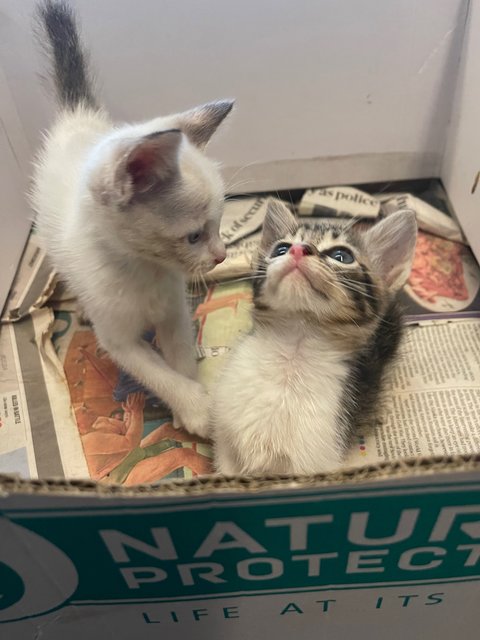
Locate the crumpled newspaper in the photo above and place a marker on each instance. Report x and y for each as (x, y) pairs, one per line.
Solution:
(243, 219)
(241, 231)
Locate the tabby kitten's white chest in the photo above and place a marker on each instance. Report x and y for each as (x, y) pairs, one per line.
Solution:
(281, 414)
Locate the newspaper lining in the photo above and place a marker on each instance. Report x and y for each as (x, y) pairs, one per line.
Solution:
(430, 407)
(338, 202)
(66, 410)
(38, 436)
(33, 284)
(35, 281)
(432, 399)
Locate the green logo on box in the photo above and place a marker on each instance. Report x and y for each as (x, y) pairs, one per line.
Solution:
(137, 549)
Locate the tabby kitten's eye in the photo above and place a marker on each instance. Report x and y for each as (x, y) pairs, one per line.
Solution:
(280, 250)
(193, 238)
(341, 254)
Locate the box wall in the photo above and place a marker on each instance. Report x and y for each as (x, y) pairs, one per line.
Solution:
(461, 166)
(354, 560)
(312, 79)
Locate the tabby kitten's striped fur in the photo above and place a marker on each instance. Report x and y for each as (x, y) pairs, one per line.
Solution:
(326, 325)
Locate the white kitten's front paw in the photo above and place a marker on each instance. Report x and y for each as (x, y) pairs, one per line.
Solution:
(194, 414)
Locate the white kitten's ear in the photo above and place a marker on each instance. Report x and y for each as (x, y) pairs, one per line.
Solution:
(153, 159)
(200, 124)
(391, 246)
(141, 165)
(279, 222)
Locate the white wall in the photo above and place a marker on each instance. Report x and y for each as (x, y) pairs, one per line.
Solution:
(462, 157)
(313, 78)
(14, 212)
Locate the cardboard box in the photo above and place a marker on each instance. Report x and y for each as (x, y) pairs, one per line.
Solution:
(375, 553)
(387, 551)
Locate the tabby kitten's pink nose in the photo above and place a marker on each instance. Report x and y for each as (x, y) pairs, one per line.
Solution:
(300, 250)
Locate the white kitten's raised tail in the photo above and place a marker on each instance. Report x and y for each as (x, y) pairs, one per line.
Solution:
(125, 213)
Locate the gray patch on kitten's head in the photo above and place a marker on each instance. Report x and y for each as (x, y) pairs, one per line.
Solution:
(159, 195)
(322, 287)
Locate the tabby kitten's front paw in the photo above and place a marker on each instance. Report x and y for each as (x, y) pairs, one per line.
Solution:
(194, 415)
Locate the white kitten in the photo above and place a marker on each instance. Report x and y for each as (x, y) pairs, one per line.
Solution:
(326, 324)
(125, 212)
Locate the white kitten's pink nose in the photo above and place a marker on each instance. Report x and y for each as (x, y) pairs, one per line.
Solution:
(219, 255)
(298, 251)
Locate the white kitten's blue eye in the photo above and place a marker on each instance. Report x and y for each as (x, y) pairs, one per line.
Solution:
(193, 238)
(280, 250)
(341, 254)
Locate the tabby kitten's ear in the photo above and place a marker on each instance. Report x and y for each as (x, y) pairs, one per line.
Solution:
(279, 222)
(199, 124)
(391, 246)
(138, 166)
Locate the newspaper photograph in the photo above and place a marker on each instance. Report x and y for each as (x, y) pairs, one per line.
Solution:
(126, 433)
(445, 278)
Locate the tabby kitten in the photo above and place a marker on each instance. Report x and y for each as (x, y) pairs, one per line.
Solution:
(326, 325)
(125, 212)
